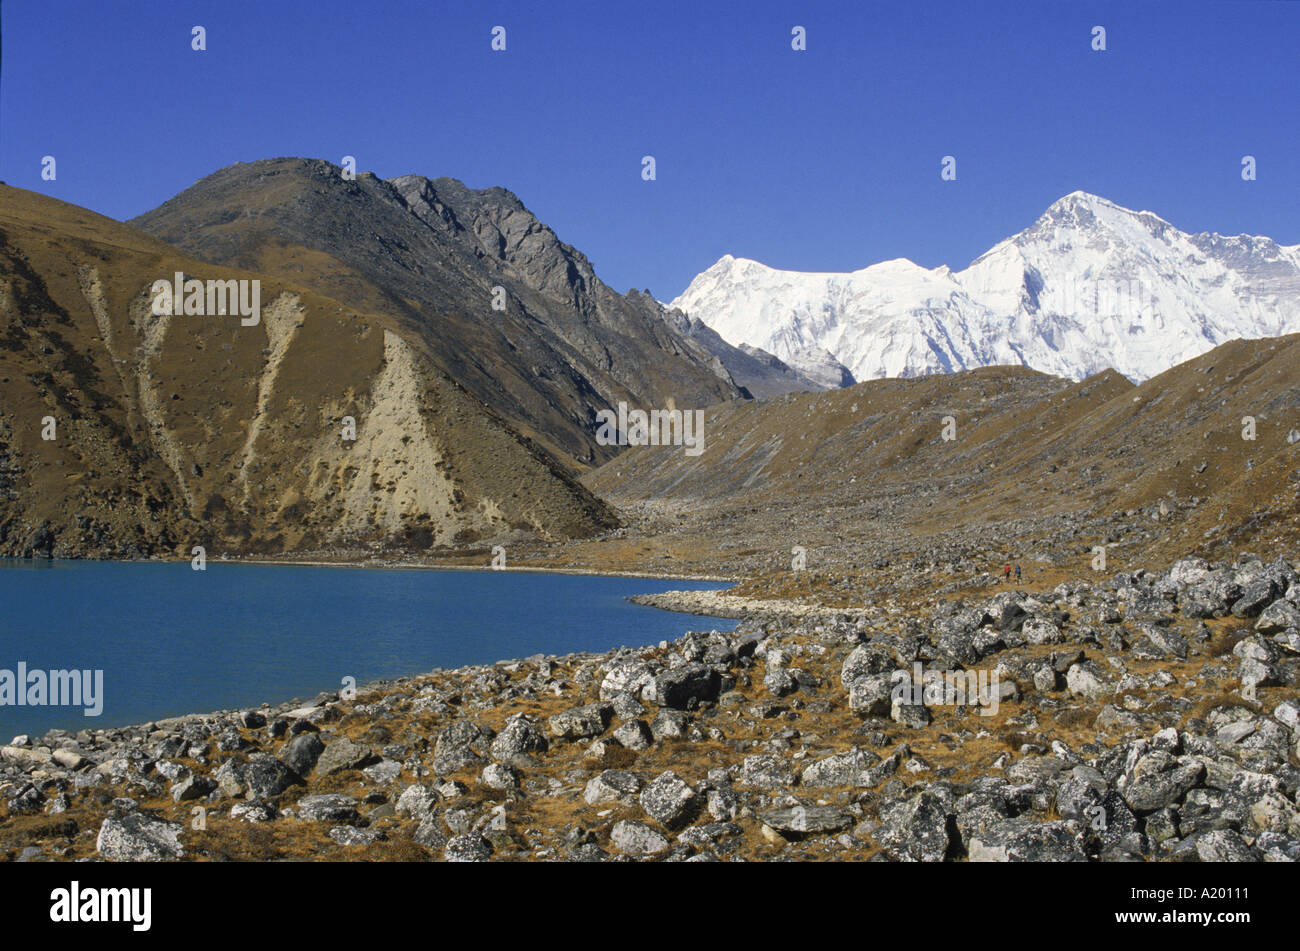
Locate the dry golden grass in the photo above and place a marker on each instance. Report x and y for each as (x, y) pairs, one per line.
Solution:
(1228, 636)
(1226, 699)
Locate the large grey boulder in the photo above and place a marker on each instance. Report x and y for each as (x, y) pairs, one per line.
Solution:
(1023, 840)
(1189, 571)
(779, 682)
(850, 768)
(581, 722)
(1256, 596)
(501, 776)
(519, 737)
(916, 830)
(463, 733)
(871, 695)
(1273, 812)
(796, 822)
(637, 838)
(457, 759)
(1163, 642)
(470, 847)
(265, 777)
(1225, 845)
(668, 724)
(429, 833)
(913, 715)
(301, 753)
(862, 662)
(766, 771)
(1038, 630)
(1278, 616)
(383, 772)
(328, 807)
(416, 800)
(342, 754)
(139, 837)
(613, 785)
(189, 788)
(1087, 679)
(635, 735)
(670, 801)
(1157, 781)
(629, 677)
(679, 687)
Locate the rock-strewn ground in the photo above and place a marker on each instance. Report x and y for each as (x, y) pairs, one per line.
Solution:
(1149, 716)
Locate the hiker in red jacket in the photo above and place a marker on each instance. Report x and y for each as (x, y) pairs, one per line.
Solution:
(1006, 572)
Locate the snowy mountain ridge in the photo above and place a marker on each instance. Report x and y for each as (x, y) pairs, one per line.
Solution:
(1089, 286)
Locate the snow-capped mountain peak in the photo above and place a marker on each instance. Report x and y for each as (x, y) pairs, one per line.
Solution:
(1090, 285)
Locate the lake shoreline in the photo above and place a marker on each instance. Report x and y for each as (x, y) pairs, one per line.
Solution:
(304, 708)
(533, 569)
(783, 739)
(713, 605)
(397, 565)
(738, 607)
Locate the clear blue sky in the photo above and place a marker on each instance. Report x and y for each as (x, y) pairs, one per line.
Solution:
(820, 160)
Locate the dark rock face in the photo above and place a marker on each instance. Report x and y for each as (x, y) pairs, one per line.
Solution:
(679, 687)
(301, 753)
(194, 787)
(1255, 597)
(758, 372)
(565, 346)
(265, 777)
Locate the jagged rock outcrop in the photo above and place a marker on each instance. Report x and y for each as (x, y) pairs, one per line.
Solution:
(433, 253)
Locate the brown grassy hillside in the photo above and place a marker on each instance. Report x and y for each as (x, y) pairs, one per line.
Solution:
(187, 430)
(1039, 467)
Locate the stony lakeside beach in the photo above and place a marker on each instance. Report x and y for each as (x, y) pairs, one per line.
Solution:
(1145, 715)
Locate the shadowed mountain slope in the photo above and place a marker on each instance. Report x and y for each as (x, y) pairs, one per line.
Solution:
(432, 251)
(761, 374)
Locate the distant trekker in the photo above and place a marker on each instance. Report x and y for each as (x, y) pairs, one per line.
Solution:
(1006, 572)
(1017, 572)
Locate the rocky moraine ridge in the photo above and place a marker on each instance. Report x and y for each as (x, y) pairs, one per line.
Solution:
(1146, 716)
